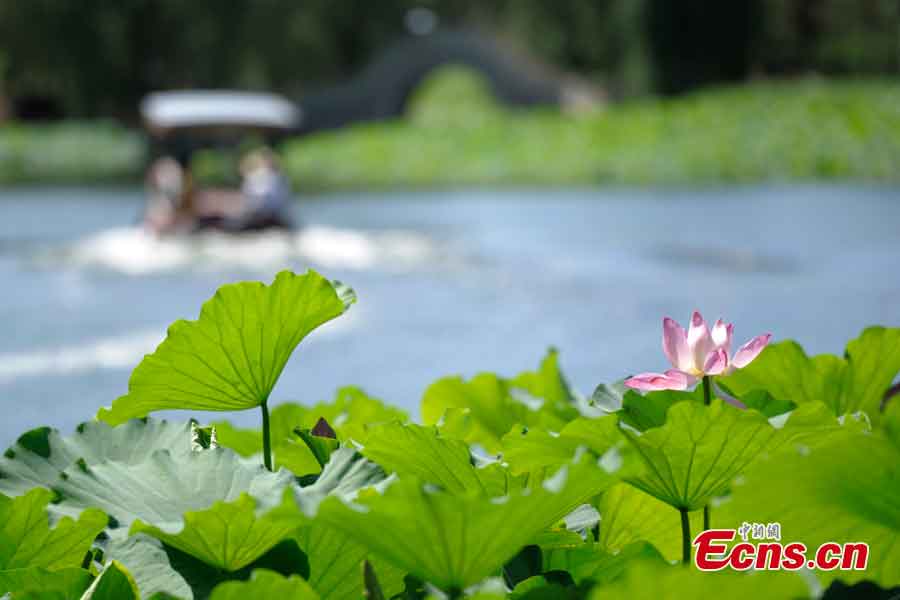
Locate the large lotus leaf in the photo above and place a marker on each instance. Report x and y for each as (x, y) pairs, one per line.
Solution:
(628, 516)
(40, 455)
(549, 385)
(456, 540)
(227, 535)
(147, 561)
(590, 562)
(156, 478)
(153, 489)
(857, 382)
(421, 452)
(335, 564)
(697, 453)
(485, 408)
(891, 422)
(351, 414)
(232, 356)
(845, 488)
(483, 402)
(653, 579)
(343, 476)
(607, 398)
(811, 423)
(27, 540)
(168, 572)
(532, 449)
(209, 504)
(424, 453)
(649, 410)
(113, 583)
(265, 584)
(36, 582)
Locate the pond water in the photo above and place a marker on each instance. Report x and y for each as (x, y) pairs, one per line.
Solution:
(449, 282)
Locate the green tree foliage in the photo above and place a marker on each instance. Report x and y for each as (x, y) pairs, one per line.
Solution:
(100, 57)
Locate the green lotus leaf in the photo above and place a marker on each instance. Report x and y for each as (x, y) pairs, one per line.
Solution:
(351, 414)
(424, 453)
(63, 584)
(421, 452)
(557, 537)
(590, 562)
(857, 382)
(287, 452)
(41, 455)
(697, 453)
(891, 422)
(843, 489)
(456, 540)
(532, 449)
(484, 401)
(485, 408)
(335, 564)
(265, 584)
(321, 447)
(147, 561)
(343, 476)
(763, 402)
(812, 422)
(113, 583)
(154, 571)
(607, 398)
(176, 494)
(227, 535)
(232, 356)
(629, 516)
(654, 579)
(549, 385)
(27, 539)
(649, 410)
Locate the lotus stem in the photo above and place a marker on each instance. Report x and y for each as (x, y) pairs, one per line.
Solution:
(707, 400)
(267, 437)
(685, 537)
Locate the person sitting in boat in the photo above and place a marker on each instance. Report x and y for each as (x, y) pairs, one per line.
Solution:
(165, 185)
(174, 206)
(266, 193)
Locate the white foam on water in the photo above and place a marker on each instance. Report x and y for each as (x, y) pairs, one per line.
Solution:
(134, 251)
(121, 352)
(118, 352)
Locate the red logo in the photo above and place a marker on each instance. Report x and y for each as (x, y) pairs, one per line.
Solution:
(713, 553)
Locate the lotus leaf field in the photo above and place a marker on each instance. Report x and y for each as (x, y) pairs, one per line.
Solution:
(511, 487)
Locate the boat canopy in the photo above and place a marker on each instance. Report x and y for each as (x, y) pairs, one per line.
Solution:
(209, 108)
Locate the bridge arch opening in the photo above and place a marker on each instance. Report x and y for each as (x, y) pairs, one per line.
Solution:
(449, 94)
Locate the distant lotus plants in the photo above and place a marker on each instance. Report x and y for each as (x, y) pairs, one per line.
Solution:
(511, 487)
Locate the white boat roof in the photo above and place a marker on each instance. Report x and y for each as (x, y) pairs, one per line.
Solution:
(200, 108)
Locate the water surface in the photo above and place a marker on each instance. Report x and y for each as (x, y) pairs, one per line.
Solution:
(449, 282)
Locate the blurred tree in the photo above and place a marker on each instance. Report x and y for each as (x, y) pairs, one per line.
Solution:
(98, 57)
(695, 42)
(843, 37)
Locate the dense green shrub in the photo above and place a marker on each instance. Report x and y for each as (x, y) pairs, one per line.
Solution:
(70, 152)
(455, 134)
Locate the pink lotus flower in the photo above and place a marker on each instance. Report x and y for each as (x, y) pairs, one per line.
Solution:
(697, 352)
